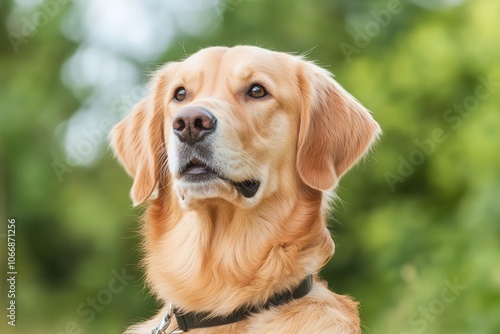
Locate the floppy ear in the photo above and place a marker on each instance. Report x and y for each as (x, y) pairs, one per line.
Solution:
(335, 129)
(138, 141)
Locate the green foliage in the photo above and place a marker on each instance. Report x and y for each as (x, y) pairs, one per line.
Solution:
(421, 213)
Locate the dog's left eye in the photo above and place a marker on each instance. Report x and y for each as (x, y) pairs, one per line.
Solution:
(180, 94)
(257, 91)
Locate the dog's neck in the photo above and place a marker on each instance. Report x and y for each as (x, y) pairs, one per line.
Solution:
(218, 257)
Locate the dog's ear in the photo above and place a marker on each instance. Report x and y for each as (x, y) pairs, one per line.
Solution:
(335, 129)
(138, 140)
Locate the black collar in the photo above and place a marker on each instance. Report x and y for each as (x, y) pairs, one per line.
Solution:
(191, 320)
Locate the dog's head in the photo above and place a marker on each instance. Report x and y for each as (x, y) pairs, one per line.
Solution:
(239, 124)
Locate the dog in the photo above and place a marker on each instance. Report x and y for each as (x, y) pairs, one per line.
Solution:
(236, 152)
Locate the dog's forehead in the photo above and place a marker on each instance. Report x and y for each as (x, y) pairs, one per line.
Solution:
(235, 60)
(210, 55)
(219, 53)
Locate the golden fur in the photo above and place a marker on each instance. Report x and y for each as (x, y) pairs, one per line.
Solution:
(207, 247)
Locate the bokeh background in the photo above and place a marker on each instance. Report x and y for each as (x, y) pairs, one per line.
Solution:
(418, 224)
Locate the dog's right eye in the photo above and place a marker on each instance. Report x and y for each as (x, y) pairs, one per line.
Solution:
(180, 94)
(257, 91)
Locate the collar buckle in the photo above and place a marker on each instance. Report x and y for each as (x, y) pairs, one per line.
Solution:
(165, 322)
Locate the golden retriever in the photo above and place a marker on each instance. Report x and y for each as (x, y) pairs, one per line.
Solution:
(236, 152)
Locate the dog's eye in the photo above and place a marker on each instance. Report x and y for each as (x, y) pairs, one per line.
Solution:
(180, 94)
(257, 91)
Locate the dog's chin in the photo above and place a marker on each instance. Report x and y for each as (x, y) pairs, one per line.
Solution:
(192, 193)
(198, 184)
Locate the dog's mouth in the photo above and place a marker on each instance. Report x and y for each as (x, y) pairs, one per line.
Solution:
(197, 171)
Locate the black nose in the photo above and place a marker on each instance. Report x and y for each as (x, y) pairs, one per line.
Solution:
(192, 124)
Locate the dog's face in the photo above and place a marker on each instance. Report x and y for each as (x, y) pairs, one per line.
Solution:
(238, 124)
(231, 124)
